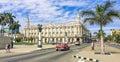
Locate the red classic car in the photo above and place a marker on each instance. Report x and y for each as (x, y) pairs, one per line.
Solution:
(62, 46)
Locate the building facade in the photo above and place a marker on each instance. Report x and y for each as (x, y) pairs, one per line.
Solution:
(64, 32)
(113, 31)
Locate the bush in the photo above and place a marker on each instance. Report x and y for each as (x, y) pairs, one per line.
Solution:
(18, 39)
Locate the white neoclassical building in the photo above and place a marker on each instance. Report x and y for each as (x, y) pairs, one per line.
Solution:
(58, 32)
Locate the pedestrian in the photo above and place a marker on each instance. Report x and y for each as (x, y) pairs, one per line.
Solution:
(92, 45)
(8, 48)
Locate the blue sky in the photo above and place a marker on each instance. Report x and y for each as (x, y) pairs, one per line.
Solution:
(55, 11)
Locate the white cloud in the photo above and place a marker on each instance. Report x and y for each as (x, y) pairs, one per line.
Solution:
(72, 3)
(4, 1)
(43, 11)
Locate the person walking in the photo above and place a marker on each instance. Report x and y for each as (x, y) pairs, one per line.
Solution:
(92, 45)
(6, 48)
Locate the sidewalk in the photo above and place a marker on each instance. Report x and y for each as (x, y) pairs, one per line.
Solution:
(113, 57)
(20, 49)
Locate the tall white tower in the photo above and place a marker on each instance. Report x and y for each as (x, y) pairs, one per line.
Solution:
(27, 22)
(78, 18)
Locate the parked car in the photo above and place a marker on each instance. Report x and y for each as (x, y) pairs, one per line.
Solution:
(62, 46)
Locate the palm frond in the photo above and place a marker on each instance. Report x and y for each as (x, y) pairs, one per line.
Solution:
(99, 10)
(108, 5)
(88, 13)
(15, 25)
(113, 13)
(90, 20)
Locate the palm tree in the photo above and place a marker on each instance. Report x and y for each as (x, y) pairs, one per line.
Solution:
(102, 15)
(98, 34)
(2, 23)
(6, 18)
(10, 18)
(14, 27)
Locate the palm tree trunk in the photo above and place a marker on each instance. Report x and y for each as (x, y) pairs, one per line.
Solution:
(15, 34)
(102, 45)
(101, 38)
(2, 30)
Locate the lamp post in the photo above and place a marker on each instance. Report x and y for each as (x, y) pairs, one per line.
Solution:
(40, 36)
(84, 35)
(90, 37)
(95, 33)
(65, 36)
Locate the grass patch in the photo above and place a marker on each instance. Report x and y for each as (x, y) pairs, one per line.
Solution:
(24, 43)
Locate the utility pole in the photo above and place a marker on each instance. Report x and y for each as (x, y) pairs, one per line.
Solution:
(66, 36)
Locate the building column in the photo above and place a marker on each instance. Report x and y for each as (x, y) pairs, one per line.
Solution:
(43, 40)
(59, 40)
(62, 39)
(74, 39)
(55, 40)
(71, 40)
(66, 39)
(81, 40)
(35, 40)
(47, 40)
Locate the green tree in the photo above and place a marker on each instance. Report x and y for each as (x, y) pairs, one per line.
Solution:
(108, 37)
(30, 39)
(102, 15)
(2, 22)
(18, 39)
(6, 18)
(14, 27)
(98, 34)
(116, 37)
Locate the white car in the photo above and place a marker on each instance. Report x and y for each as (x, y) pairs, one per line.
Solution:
(77, 43)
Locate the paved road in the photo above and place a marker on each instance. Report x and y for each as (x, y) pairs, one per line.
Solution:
(114, 45)
(49, 55)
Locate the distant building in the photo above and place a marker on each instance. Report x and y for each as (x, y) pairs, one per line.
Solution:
(113, 31)
(10, 33)
(58, 32)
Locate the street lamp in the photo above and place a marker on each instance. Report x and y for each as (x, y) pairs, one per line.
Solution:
(84, 37)
(66, 36)
(40, 37)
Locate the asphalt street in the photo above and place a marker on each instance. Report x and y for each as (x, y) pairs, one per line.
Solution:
(48, 55)
(114, 45)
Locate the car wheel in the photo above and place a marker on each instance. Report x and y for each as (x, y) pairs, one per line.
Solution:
(68, 48)
(56, 49)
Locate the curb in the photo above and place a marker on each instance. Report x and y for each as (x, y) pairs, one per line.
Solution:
(85, 58)
(26, 53)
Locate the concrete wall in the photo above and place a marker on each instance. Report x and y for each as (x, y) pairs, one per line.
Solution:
(4, 41)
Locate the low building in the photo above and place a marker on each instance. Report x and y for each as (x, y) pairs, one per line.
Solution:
(113, 31)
